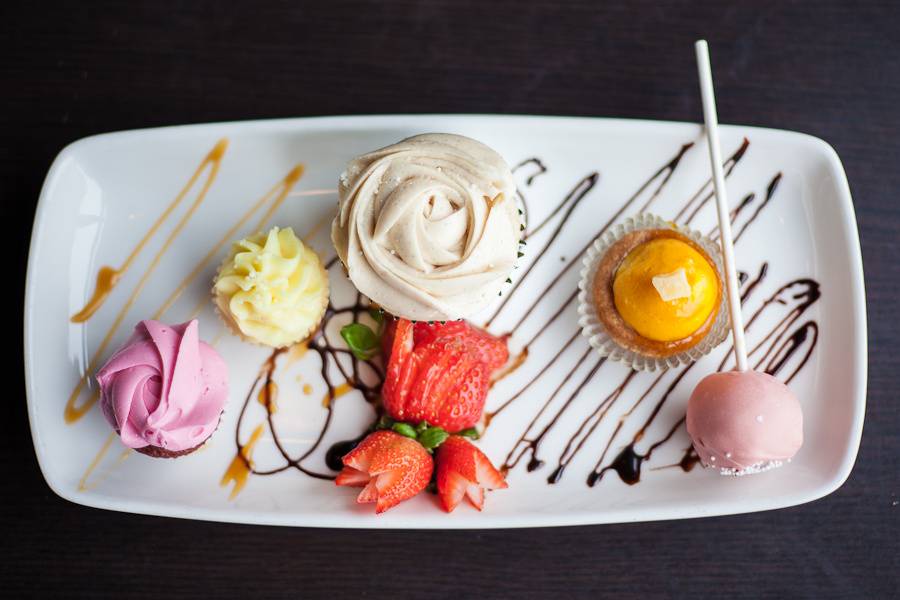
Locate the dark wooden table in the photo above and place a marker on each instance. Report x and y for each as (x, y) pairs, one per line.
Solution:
(831, 69)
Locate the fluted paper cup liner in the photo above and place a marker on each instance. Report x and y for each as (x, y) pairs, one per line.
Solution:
(593, 328)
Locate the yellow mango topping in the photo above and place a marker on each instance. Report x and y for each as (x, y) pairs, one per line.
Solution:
(661, 310)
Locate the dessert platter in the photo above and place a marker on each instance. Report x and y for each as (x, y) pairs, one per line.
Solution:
(517, 321)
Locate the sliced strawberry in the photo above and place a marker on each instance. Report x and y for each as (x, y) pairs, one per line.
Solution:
(401, 370)
(432, 398)
(387, 336)
(492, 349)
(463, 471)
(352, 477)
(440, 373)
(389, 467)
(462, 405)
(427, 333)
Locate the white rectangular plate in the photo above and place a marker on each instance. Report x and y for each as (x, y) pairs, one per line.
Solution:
(561, 411)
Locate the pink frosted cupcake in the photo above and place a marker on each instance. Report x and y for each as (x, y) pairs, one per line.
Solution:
(164, 390)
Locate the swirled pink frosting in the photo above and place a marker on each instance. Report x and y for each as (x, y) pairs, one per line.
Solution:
(164, 387)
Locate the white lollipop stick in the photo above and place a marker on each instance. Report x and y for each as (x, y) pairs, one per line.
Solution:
(715, 157)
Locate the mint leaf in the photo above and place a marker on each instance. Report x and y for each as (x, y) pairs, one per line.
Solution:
(470, 433)
(433, 437)
(361, 340)
(405, 429)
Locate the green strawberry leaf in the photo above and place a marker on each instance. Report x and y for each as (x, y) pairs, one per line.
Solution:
(470, 433)
(405, 429)
(433, 437)
(362, 341)
(422, 426)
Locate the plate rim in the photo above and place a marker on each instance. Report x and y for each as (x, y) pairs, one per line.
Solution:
(848, 223)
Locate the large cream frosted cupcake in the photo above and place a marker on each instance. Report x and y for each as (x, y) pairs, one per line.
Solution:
(272, 289)
(428, 228)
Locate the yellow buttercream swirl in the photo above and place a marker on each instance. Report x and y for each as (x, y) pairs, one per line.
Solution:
(272, 288)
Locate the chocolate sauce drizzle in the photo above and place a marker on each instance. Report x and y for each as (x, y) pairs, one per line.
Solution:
(628, 462)
(778, 347)
(706, 193)
(786, 348)
(329, 354)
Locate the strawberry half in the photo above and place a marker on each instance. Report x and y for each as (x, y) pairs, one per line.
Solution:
(464, 471)
(389, 467)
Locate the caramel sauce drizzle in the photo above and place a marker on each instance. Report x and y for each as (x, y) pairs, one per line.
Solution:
(82, 484)
(268, 396)
(108, 277)
(74, 411)
(336, 393)
(242, 464)
(274, 198)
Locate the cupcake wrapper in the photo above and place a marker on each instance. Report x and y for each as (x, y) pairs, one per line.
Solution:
(157, 452)
(592, 327)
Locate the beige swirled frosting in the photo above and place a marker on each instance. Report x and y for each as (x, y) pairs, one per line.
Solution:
(428, 228)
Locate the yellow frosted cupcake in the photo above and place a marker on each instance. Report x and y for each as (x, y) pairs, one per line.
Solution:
(272, 289)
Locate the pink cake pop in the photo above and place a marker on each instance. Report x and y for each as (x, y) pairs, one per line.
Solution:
(742, 421)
